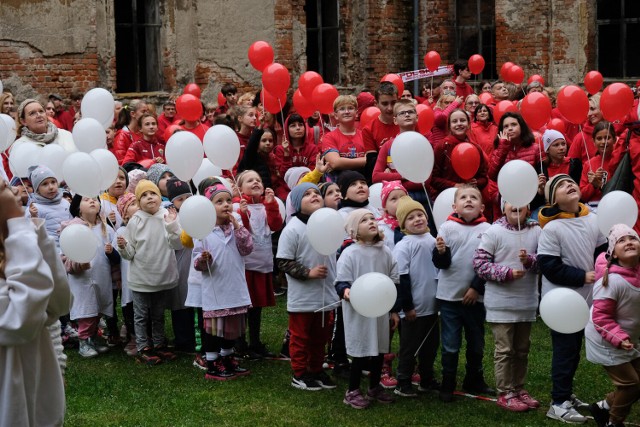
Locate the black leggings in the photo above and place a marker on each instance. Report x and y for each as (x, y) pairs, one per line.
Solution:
(358, 364)
(213, 343)
(254, 316)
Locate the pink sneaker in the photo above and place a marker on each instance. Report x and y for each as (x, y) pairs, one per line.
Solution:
(355, 399)
(510, 402)
(387, 381)
(526, 398)
(415, 379)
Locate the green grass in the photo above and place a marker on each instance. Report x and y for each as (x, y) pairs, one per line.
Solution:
(112, 390)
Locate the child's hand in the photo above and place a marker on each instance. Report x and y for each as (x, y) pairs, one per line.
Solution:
(122, 242)
(10, 206)
(470, 297)
(321, 165)
(394, 321)
(542, 181)
(410, 315)
(108, 248)
(171, 215)
(318, 272)
(112, 217)
(33, 210)
(472, 182)
(234, 221)
(269, 195)
(346, 294)
(589, 277)
(517, 274)
(206, 257)
(440, 245)
(523, 256)
(85, 266)
(244, 207)
(285, 147)
(459, 99)
(159, 160)
(626, 345)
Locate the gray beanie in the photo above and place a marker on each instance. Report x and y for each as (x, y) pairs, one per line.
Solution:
(37, 174)
(156, 171)
(298, 193)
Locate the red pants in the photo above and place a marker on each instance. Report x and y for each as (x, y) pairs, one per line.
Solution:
(88, 327)
(308, 338)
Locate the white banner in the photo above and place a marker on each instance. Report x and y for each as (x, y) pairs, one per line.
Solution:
(424, 73)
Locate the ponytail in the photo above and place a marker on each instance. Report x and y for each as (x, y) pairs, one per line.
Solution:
(605, 276)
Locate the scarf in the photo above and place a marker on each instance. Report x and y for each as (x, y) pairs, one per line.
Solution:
(346, 203)
(43, 138)
(41, 200)
(390, 220)
(455, 218)
(302, 217)
(549, 213)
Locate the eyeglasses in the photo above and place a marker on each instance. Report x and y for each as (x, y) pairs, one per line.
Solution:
(345, 109)
(406, 113)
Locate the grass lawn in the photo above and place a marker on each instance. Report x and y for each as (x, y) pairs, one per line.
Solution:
(112, 390)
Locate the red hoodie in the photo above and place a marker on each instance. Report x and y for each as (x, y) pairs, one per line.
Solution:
(444, 175)
(304, 155)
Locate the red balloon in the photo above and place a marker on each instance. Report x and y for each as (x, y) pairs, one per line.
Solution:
(476, 64)
(616, 101)
(426, 118)
(432, 60)
(516, 74)
(593, 82)
(486, 98)
(573, 104)
(536, 110)
(276, 78)
(368, 115)
(557, 124)
(536, 78)
(420, 108)
(260, 55)
(221, 99)
(192, 89)
(501, 108)
(304, 107)
(307, 82)
(396, 80)
(465, 159)
(272, 103)
(170, 130)
(323, 96)
(189, 107)
(504, 70)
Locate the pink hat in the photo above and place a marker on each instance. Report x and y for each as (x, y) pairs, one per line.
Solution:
(387, 188)
(617, 232)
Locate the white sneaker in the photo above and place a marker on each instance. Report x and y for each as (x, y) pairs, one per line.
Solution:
(565, 413)
(577, 403)
(86, 350)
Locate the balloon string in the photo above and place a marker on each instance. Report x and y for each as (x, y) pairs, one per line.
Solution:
(284, 133)
(235, 181)
(431, 89)
(430, 207)
(613, 335)
(209, 268)
(605, 144)
(327, 306)
(586, 149)
(519, 231)
(425, 338)
(541, 166)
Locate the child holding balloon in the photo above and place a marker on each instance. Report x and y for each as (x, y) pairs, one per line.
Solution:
(367, 338)
(613, 328)
(602, 165)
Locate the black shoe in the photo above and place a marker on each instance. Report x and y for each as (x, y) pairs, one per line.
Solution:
(262, 350)
(446, 396)
(431, 385)
(342, 370)
(305, 382)
(279, 291)
(447, 388)
(324, 380)
(600, 415)
(405, 390)
(478, 387)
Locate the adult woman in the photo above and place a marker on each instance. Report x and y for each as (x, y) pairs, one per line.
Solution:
(470, 104)
(485, 86)
(483, 128)
(35, 128)
(8, 104)
(127, 127)
(445, 105)
(51, 114)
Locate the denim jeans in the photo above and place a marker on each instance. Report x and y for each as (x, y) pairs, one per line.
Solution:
(454, 317)
(564, 363)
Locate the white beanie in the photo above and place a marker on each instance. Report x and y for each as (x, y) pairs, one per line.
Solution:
(549, 137)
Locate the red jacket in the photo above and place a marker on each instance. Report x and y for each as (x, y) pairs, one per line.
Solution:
(484, 134)
(439, 130)
(444, 176)
(463, 89)
(274, 219)
(143, 149)
(121, 142)
(163, 124)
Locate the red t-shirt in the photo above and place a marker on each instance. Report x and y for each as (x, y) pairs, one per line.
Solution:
(377, 133)
(198, 131)
(349, 146)
(463, 89)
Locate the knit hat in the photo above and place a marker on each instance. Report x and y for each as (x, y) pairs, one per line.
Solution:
(365, 100)
(298, 193)
(124, 202)
(24, 104)
(533, 84)
(293, 175)
(17, 181)
(144, 186)
(215, 188)
(156, 171)
(177, 188)
(387, 188)
(549, 137)
(37, 174)
(617, 232)
(352, 221)
(552, 185)
(406, 205)
(324, 187)
(134, 177)
(74, 208)
(347, 178)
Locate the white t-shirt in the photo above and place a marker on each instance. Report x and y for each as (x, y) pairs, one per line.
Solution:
(414, 257)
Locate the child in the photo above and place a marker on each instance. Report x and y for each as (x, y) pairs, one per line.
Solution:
(149, 147)
(310, 279)
(33, 294)
(225, 297)
(159, 174)
(383, 128)
(613, 329)
(90, 283)
(355, 194)
(261, 216)
(330, 192)
(391, 193)
(148, 242)
(296, 149)
(259, 157)
(506, 260)
(460, 292)
(47, 201)
(246, 124)
(367, 339)
(417, 298)
(601, 166)
(562, 262)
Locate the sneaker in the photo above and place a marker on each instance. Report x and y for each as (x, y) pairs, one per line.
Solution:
(405, 391)
(324, 380)
(342, 370)
(526, 398)
(200, 362)
(232, 365)
(510, 402)
(248, 354)
(566, 413)
(217, 371)
(130, 349)
(163, 353)
(600, 415)
(387, 381)
(86, 350)
(113, 341)
(415, 379)
(426, 386)
(99, 345)
(70, 331)
(123, 333)
(355, 399)
(577, 403)
(279, 292)
(377, 393)
(479, 387)
(305, 382)
(147, 357)
(262, 350)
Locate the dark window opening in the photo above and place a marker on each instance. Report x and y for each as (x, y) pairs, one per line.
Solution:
(618, 24)
(475, 32)
(323, 40)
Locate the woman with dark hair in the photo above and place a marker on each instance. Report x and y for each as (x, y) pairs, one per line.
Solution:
(483, 128)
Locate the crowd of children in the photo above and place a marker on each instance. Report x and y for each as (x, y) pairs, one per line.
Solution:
(217, 286)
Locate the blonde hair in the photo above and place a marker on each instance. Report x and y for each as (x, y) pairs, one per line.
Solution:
(401, 103)
(241, 110)
(466, 186)
(444, 98)
(246, 97)
(343, 100)
(243, 175)
(595, 100)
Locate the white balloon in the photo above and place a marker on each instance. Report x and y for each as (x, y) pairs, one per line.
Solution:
(98, 104)
(205, 170)
(518, 183)
(616, 207)
(412, 156)
(372, 294)
(442, 207)
(82, 174)
(375, 195)
(23, 157)
(78, 243)
(7, 131)
(325, 231)
(564, 310)
(53, 157)
(88, 135)
(197, 216)
(222, 146)
(108, 166)
(184, 154)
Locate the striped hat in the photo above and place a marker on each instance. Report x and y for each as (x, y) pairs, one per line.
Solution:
(552, 185)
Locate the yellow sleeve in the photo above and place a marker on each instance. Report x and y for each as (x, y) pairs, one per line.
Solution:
(186, 240)
(313, 177)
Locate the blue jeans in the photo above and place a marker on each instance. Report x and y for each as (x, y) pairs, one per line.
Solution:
(564, 363)
(454, 317)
